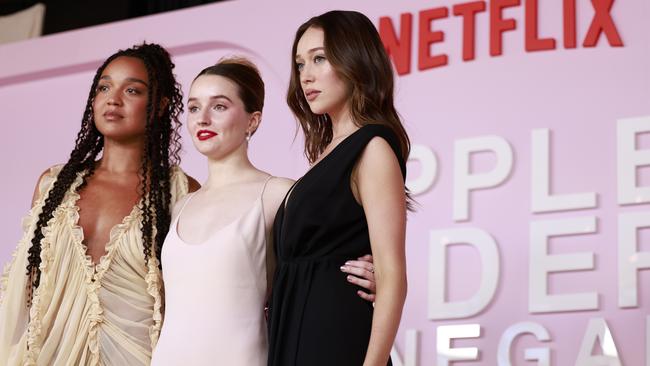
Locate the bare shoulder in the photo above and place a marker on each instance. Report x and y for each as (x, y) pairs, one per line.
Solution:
(276, 190)
(177, 206)
(279, 186)
(378, 148)
(378, 156)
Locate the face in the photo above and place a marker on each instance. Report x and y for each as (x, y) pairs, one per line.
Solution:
(120, 105)
(217, 119)
(324, 90)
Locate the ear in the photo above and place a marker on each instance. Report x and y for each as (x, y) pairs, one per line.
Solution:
(254, 122)
(164, 103)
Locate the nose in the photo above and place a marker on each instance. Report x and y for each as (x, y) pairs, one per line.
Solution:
(306, 74)
(203, 118)
(114, 98)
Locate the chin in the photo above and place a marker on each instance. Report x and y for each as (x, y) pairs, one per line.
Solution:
(317, 109)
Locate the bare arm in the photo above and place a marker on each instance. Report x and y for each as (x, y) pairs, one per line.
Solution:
(361, 272)
(275, 192)
(380, 190)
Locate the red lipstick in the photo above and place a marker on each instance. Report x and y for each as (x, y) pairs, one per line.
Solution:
(203, 135)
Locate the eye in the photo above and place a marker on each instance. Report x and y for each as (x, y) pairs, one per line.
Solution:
(319, 58)
(101, 88)
(220, 107)
(299, 66)
(133, 91)
(192, 109)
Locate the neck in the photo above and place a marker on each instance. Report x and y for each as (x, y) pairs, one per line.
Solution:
(228, 169)
(121, 157)
(342, 124)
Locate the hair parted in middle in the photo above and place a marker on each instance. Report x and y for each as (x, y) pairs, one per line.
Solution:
(246, 75)
(355, 51)
(161, 152)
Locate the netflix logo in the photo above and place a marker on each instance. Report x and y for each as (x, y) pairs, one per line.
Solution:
(397, 35)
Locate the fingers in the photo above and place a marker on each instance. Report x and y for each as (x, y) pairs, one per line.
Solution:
(360, 268)
(368, 285)
(365, 296)
(361, 273)
(366, 258)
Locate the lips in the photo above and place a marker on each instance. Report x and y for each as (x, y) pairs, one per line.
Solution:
(203, 135)
(112, 116)
(311, 94)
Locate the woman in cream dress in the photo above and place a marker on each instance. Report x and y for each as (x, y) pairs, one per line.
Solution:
(91, 243)
(93, 295)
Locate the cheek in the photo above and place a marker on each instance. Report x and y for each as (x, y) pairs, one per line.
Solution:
(231, 121)
(95, 104)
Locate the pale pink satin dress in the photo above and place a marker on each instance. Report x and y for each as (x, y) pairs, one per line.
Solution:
(215, 294)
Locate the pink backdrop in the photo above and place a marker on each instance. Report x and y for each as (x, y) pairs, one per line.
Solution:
(585, 96)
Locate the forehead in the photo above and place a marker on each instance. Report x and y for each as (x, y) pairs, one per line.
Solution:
(212, 85)
(312, 38)
(126, 68)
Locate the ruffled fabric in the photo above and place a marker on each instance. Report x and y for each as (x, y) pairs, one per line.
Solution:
(153, 280)
(28, 224)
(180, 187)
(82, 313)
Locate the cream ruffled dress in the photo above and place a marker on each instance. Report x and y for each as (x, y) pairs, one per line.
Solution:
(82, 314)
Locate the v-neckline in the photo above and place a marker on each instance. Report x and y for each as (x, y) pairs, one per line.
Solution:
(96, 269)
(285, 202)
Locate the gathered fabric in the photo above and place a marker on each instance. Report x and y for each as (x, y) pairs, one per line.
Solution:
(82, 313)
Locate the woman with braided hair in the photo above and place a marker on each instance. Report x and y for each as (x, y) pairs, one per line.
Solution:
(84, 285)
(218, 259)
(92, 293)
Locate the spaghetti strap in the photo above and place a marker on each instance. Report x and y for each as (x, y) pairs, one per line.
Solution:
(268, 179)
(265, 183)
(187, 200)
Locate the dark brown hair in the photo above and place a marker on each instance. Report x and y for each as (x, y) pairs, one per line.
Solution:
(161, 148)
(245, 74)
(355, 51)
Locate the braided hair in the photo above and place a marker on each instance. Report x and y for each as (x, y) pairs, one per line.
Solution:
(161, 152)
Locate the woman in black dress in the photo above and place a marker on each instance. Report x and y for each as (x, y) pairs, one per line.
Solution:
(352, 200)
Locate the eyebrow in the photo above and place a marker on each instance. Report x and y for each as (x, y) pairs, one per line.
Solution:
(133, 80)
(220, 96)
(312, 50)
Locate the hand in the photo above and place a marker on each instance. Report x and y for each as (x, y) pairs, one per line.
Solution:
(362, 273)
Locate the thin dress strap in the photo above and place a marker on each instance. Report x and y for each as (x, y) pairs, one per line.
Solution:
(187, 200)
(262, 197)
(265, 183)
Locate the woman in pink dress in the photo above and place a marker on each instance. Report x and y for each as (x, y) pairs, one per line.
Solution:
(217, 257)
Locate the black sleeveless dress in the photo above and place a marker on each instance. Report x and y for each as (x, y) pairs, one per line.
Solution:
(316, 317)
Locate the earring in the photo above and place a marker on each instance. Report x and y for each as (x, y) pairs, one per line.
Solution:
(248, 136)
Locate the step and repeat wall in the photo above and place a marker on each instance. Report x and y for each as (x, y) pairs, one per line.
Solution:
(530, 125)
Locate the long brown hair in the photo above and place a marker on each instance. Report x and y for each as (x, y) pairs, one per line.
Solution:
(355, 51)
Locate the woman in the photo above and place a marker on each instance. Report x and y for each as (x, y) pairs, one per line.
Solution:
(215, 261)
(92, 240)
(352, 200)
